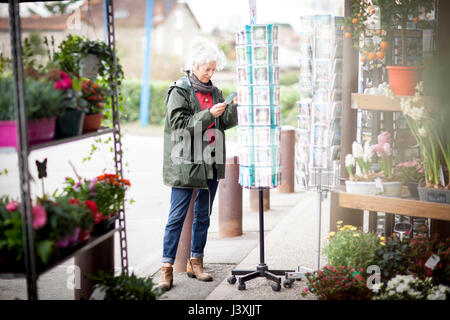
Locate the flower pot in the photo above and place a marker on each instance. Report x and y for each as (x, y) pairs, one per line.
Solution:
(70, 124)
(39, 130)
(105, 225)
(434, 195)
(412, 187)
(92, 122)
(392, 189)
(89, 66)
(361, 187)
(403, 79)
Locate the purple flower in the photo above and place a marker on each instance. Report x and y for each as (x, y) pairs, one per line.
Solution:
(76, 185)
(92, 184)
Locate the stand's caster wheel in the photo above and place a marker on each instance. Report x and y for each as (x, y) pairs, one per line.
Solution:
(276, 286)
(241, 286)
(288, 283)
(231, 279)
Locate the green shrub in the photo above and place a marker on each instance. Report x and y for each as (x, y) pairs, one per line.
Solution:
(289, 78)
(289, 96)
(352, 247)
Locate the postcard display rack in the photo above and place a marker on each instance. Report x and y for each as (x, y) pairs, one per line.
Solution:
(259, 129)
(320, 104)
(31, 269)
(319, 120)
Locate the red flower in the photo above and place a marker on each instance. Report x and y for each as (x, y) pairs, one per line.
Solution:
(97, 216)
(74, 201)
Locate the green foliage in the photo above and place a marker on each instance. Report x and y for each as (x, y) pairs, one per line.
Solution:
(41, 99)
(289, 95)
(75, 48)
(289, 78)
(351, 247)
(126, 287)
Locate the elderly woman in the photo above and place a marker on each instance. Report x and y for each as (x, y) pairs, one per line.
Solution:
(194, 154)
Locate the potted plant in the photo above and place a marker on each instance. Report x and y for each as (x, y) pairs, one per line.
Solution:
(410, 173)
(395, 15)
(78, 55)
(123, 287)
(366, 181)
(70, 123)
(360, 182)
(107, 191)
(43, 104)
(95, 95)
(373, 25)
(383, 150)
(431, 134)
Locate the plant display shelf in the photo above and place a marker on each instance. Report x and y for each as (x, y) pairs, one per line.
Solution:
(56, 142)
(393, 205)
(23, 150)
(70, 253)
(374, 102)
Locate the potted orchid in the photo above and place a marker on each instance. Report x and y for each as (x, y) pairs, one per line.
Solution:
(410, 173)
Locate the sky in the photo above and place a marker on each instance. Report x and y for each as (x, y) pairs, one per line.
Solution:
(234, 14)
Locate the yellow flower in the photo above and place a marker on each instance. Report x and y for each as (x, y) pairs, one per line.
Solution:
(356, 235)
(353, 228)
(382, 243)
(340, 222)
(332, 233)
(348, 226)
(382, 238)
(327, 237)
(341, 229)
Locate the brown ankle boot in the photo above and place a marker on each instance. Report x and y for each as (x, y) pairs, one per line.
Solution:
(194, 269)
(166, 279)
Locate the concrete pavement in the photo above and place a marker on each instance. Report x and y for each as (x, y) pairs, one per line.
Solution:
(289, 225)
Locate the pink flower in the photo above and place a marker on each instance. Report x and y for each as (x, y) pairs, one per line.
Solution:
(92, 184)
(65, 82)
(387, 149)
(12, 206)
(39, 216)
(384, 137)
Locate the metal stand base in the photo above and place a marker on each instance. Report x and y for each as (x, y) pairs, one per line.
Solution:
(262, 270)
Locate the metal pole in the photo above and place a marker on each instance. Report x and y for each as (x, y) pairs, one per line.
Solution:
(22, 148)
(145, 88)
(261, 226)
(319, 215)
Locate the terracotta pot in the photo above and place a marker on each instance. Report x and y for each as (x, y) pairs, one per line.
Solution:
(403, 79)
(92, 122)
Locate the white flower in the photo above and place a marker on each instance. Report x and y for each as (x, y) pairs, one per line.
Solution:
(357, 150)
(419, 87)
(422, 132)
(368, 152)
(349, 160)
(416, 113)
(376, 287)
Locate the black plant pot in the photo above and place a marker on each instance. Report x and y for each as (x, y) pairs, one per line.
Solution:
(105, 226)
(412, 186)
(70, 124)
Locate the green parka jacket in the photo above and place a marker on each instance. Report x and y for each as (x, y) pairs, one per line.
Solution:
(188, 157)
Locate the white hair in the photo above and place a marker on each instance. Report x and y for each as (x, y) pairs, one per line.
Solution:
(204, 51)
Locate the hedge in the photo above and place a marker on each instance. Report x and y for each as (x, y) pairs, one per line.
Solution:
(131, 95)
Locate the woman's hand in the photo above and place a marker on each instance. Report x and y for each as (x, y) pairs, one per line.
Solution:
(217, 109)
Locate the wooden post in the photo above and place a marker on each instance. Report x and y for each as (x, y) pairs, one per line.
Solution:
(349, 85)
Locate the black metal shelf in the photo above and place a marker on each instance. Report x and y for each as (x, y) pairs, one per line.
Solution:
(56, 142)
(31, 270)
(92, 242)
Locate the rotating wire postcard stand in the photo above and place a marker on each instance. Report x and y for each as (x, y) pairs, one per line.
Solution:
(259, 129)
(320, 105)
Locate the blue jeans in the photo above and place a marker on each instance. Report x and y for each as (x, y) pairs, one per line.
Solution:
(179, 205)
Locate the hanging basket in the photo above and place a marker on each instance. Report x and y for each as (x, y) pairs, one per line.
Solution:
(403, 79)
(89, 66)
